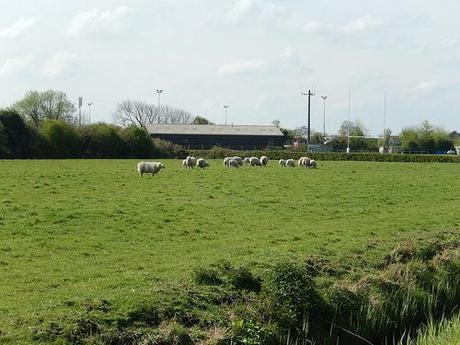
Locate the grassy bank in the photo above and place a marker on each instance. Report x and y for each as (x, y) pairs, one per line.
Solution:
(90, 240)
(445, 333)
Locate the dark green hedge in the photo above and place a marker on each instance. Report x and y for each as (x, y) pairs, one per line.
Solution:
(217, 153)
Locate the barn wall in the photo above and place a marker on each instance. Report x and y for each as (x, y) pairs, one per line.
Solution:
(236, 142)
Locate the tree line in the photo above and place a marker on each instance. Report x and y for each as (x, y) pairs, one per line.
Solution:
(57, 138)
(424, 138)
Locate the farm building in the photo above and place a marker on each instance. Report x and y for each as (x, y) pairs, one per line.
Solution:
(241, 137)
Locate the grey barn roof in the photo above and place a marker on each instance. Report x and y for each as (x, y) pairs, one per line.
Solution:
(247, 130)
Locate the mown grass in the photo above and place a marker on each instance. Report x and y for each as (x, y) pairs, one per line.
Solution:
(76, 230)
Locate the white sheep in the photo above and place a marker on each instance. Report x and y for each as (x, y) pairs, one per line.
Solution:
(239, 160)
(304, 162)
(201, 163)
(184, 163)
(264, 160)
(190, 162)
(226, 160)
(255, 162)
(233, 163)
(290, 163)
(312, 164)
(247, 160)
(149, 168)
(282, 162)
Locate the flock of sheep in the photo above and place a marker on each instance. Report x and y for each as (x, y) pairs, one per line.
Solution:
(229, 162)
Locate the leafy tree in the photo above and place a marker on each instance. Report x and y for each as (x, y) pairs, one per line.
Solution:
(16, 132)
(3, 141)
(138, 141)
(358, 141)
(36, 107)
(409, 140)
(199, 120)
(425, 138)
(355, 128)
(62, 138)
(102, 140)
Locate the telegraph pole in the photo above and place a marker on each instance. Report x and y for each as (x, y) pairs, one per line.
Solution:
(308, 94)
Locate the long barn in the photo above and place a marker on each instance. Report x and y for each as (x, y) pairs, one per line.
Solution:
(241, 137)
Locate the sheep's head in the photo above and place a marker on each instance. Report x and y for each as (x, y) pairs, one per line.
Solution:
(162, 166)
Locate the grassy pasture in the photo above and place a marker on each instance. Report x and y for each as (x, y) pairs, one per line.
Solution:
(73, 230)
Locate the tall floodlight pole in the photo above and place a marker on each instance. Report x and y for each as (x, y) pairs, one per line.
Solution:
(159, 91)
(308, 94)
(324, 116)
(80, 103)
(349, 121)
(89, 112)
(225, 109)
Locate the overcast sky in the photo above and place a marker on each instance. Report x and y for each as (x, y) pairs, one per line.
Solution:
(255, 55)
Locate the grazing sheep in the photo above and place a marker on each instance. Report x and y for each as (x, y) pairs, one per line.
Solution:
(304, 162)
(226, 160)
(190, 162)
(184, 163)
(312, 164)
(149, 168)
(264, 160)
(201, 163)
(233, 163)
(238, 159)
(255, 162)
(247, 160)
(290, 163)
(282, 162)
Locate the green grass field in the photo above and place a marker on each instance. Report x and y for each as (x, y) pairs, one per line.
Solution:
(74, 230)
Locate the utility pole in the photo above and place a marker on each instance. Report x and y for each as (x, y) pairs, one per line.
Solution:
(308, 94)
(324, 116)
(89, 112)
(225, 108)
(159, 91)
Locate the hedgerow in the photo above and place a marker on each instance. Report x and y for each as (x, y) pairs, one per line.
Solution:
(218, 153)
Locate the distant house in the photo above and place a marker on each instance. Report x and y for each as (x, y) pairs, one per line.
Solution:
(241, 137)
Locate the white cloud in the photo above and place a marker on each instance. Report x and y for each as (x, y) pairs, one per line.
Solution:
(243, 8)
(241, 67)
(291, 60)
(97, 21)
(314, 27)
(361, 24)
(446, 43)
(14, 66)
(422, 88)
(18, 28)
(59, 64)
